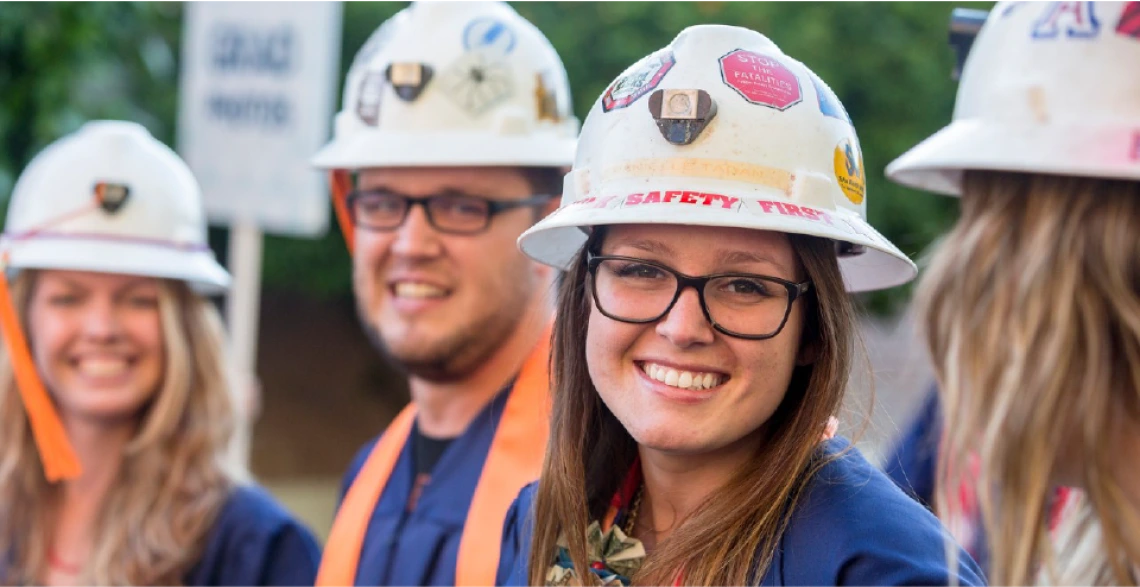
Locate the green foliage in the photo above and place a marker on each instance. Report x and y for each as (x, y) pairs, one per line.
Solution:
(66, 63)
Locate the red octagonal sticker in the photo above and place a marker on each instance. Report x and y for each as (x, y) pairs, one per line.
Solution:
(760, 79)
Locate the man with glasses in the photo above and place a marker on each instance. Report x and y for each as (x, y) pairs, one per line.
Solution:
(453, 138)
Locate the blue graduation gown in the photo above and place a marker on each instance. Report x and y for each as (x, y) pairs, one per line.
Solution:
(255, 541)
(912, 462)
(852, 526)
(421, 547)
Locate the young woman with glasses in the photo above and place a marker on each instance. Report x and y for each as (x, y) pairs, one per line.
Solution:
(712, 227)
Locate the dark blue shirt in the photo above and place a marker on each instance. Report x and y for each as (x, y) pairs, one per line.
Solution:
(414, 533)
(852, 526)
(255, 541)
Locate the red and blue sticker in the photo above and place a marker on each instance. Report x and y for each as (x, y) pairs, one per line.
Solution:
(761, 79)
(640, 79)
(1073, 20)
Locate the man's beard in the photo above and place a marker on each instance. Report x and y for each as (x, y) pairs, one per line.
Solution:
(451, 357)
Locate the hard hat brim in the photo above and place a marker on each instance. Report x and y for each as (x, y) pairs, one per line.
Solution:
(196, 267)
(936, 164)
(443, 149)
(557, 239)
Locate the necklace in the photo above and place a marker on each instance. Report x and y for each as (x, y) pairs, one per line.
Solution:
(631, 523)
(61, 565)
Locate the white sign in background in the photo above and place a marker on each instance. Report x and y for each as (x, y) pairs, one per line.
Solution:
(258, 84)
(257, 88)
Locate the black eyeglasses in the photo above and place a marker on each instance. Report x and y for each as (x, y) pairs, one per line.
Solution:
(743, 305)
(451, 213)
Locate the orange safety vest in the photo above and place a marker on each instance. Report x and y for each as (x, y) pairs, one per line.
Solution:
(514, 460)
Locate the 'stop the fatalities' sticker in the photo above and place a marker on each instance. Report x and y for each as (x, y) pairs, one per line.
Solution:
(761, 79)
(638, 80)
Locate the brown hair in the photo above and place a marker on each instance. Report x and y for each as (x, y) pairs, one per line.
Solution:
(731, 538)
(1032, 316)
(175, 476)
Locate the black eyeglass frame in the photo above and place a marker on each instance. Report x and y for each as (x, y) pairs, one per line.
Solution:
(494, 207)
(698, 283)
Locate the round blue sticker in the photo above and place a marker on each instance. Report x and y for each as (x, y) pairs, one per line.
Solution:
(489, 34)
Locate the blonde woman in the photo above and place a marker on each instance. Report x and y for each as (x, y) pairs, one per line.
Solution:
(115, 407)
(1032, 306)
(712, 226)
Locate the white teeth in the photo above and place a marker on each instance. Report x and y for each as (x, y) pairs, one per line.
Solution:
(406, 289)
(681, 379)
(102, 367)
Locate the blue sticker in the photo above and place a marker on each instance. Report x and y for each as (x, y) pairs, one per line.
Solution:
(489, 34)
(829, 104)
(1076, 20)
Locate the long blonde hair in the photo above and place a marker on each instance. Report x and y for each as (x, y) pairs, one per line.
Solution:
(731, 538)
(174, 478)
(1031, 311)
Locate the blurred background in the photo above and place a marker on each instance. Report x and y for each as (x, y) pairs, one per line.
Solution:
(324, 390)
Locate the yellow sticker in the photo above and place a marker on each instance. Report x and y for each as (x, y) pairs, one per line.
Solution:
(849, 171)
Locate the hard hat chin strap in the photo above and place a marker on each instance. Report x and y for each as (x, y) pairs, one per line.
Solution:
(56, 453)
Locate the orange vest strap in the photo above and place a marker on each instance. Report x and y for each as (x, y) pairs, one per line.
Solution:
(56, 453)
(341, 183)
(514, 459)
(342, 552)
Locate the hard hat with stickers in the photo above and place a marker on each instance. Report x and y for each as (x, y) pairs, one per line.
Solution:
(111, 199)
(451, 84)
(1043, 90)
(721, 128)
(454, 83)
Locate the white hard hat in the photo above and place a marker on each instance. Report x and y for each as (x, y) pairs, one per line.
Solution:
(721, 128)
(110, 198)
(1047, 88)
(454, 84)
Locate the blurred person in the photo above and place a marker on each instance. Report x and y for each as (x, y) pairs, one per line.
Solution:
(712, 226)
(454, 135)
(115, 407)
(1031, 309)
